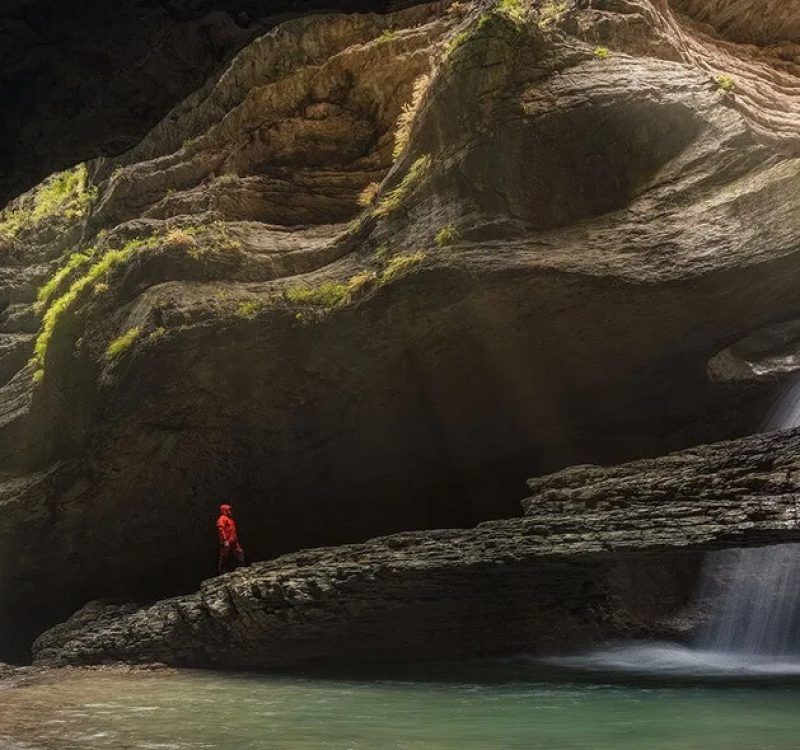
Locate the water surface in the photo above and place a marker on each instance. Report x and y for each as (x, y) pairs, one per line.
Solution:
(512, 708)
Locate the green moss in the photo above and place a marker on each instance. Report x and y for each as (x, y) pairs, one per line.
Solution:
(601, 52)
(332, 294)
(250, 309)
(355, 226)
(122, 343)
(400, 264)
(550, 12)
(157, 333)
(54, 284)
(394, 198)
(455, 42)
(387, 36)
(725, 82)
(67, 194)
(514, 9)
(77, 290)
(446, 235)
(381, 252)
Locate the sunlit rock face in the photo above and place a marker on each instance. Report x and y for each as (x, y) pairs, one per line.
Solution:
(761, 22)
(770, 353)
(547, 256)
(82, 79)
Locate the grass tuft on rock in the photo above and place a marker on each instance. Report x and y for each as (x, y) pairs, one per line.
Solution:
(369, 195)
(400, 264)
(446, 235)
(408, 113)
(725, 82)
(388, 35)
(48, 291)
(122, 343)
(67, 194)
(549, 13)
(455, 42)
(250, 309)
(514, 9)
(332, 294)
(601, 53)
(394, 198)
(76, 290)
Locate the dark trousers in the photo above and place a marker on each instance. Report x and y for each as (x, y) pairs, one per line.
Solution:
(230, 558)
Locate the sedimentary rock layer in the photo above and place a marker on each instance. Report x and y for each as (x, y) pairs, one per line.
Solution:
(595, 557)
(81, 80)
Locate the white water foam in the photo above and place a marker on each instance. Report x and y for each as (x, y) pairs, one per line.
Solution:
(755, 629)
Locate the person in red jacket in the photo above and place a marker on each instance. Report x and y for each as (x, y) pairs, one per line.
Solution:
(231, 554)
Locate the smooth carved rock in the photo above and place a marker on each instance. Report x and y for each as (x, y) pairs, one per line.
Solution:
(768, 353)
(88, 80)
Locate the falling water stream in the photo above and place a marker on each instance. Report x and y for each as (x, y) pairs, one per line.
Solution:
(759, 612)
(754, 628)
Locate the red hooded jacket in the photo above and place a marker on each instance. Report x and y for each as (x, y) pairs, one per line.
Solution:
(226, 527)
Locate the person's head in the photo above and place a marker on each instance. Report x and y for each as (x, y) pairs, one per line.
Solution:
(225, 509)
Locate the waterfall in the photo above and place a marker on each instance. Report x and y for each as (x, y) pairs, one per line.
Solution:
(758, 612)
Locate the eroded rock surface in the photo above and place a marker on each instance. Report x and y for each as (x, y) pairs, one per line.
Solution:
(550, 250)
(85, 79)
(597, 556)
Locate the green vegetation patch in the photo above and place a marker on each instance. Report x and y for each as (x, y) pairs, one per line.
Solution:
(455, 42)
(394, 198)
(249, 309)
(408, 113)
(76, 290)
(514, 9)
(332, 294)
(601, 52)
(387, 36)
(67, 194)
(122, 343)
(196, 242)
(550, 12)
(446, 235)
(369, 195)
(48, 291)
(725, 82)
(400, 264)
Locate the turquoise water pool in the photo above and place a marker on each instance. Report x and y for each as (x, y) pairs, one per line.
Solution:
(193, 710)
